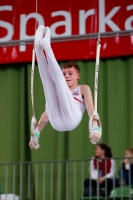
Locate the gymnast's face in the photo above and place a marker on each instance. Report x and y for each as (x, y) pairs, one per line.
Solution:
(71, 75)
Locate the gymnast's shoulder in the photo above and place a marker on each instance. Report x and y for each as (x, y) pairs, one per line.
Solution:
(85, 89)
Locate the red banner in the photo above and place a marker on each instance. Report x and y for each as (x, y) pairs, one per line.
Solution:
(66, 18)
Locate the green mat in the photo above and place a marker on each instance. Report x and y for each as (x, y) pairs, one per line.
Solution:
(124, 192)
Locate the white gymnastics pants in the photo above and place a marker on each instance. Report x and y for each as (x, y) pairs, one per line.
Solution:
(61, 108)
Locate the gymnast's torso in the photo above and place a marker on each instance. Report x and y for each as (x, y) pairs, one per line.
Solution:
(80, 103)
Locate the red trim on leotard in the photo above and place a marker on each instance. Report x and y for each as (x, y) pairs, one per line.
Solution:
(79, 100)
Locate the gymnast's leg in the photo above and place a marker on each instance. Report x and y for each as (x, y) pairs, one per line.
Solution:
(49, 87)
(65, 98)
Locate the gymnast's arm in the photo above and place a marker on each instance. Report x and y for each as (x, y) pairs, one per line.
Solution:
(42, 122)
(87, 95)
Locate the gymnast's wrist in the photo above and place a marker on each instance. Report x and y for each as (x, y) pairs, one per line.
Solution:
(37, 133)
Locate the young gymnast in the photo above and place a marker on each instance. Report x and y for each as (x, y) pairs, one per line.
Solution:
(66, 100)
